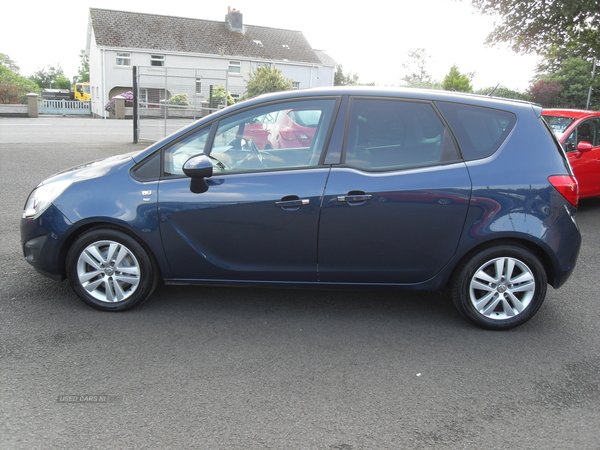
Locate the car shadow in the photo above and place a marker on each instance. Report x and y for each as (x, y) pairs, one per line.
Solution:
(588, 204)
(412, 308)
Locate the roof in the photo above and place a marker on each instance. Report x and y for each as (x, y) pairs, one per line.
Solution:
(130, 30)
(325, 58)
(404, 93)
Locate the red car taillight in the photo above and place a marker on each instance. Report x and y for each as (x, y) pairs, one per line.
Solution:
(288, 134)
(567, 186)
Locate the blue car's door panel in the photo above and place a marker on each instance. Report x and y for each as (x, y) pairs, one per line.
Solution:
(391, 227)
(260, 225)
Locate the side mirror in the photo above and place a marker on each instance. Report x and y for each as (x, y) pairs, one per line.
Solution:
(584, 146)
(198, 168)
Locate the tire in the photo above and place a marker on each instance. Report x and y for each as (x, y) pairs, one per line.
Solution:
(500, 287)
(110, 271)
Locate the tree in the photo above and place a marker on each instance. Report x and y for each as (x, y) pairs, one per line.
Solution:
(565, 85)
(267, 79)
(538, 26)
(503, 92)
(83, 73)
(350, 79)
(545, 92)
(9, 63)
(340, 79)
(13, 87)
(51, 77)
(416, 67)
(456, 81)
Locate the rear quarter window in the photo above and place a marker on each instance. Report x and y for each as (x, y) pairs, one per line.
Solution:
(480, 131)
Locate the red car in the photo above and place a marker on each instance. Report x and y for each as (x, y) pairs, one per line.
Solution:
(292, 128)
(579, 133)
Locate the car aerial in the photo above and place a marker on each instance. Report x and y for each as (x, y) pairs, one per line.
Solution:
(579, 133)
(396, 188)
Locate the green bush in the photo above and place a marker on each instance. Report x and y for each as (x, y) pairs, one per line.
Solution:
(267, 79)
(179, 100)
(219, 95)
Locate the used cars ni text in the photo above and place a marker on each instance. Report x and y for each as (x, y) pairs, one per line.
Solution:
(579, 133)
(402, 189)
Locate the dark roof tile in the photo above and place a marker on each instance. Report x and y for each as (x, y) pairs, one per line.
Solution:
(131, 30)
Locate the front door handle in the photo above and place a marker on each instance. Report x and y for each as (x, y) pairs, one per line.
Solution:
(288, 203)
(292, 202)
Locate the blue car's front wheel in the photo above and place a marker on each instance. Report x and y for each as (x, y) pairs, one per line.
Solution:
(110, 271)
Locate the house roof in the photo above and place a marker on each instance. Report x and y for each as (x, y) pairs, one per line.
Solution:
(129, 30)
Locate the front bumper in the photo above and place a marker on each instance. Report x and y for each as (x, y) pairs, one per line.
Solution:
(42, 240)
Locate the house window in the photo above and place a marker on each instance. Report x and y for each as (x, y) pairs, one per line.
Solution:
(157, 60)
(123, 59)
(198, 85)
(260, 65)
(235, 67)
(296, 84)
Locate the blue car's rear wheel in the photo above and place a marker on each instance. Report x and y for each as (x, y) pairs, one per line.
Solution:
(110, 271)
(500, 287)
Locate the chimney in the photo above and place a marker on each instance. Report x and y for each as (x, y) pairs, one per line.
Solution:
(234, 18)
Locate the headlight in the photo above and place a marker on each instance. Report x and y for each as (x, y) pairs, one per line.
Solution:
(42, 197)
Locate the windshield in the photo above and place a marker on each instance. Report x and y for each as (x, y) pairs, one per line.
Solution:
(558, 124)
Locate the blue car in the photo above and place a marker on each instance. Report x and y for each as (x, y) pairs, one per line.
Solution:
(404, 189)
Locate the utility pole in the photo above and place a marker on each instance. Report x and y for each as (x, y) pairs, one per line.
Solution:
(589, 99)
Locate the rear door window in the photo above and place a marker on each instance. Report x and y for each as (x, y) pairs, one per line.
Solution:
(480, 131)
(385, 134)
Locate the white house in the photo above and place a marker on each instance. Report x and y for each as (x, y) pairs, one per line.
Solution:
(227, 51)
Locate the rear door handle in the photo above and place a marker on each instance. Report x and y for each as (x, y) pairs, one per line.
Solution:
(354, 197)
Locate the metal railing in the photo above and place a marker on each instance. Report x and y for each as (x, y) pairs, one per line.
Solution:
(64, 107)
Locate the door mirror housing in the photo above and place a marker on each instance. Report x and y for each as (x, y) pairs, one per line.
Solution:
(584, 146)
(198, 168)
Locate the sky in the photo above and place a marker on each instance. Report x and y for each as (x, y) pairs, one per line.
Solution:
(371, 40)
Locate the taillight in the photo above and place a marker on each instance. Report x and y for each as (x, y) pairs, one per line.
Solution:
(567, 186)
(288, 134)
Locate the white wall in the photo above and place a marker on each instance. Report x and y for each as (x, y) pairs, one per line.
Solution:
(105, 75)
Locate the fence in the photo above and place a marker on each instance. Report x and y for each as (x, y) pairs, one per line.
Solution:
(158, 114)
(64, 107)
